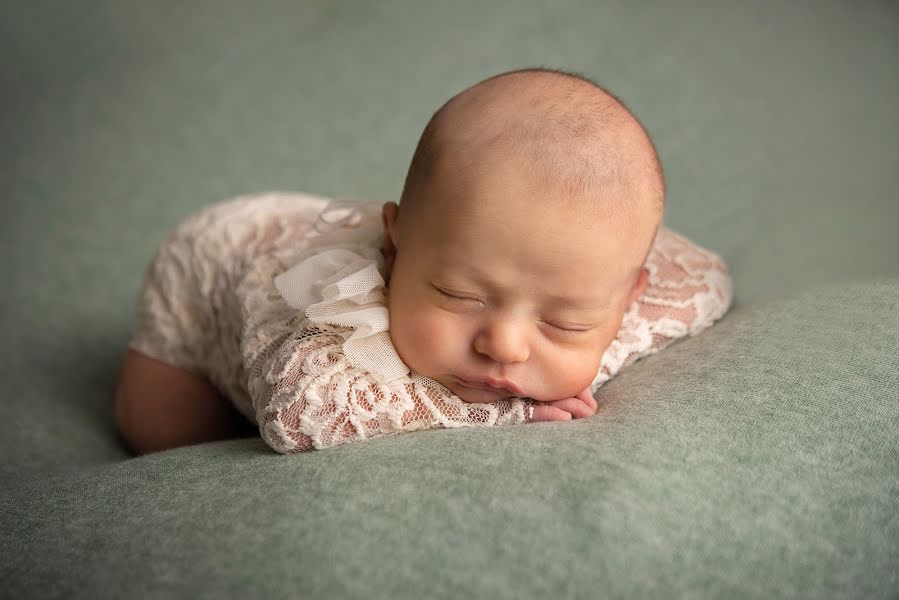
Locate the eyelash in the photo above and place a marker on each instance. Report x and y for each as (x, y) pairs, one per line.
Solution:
(567, 330)
(456, 298)
(467, 300)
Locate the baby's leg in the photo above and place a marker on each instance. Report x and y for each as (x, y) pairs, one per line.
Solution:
(159, 406)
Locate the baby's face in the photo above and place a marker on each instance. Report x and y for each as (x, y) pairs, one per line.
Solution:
(497, 292)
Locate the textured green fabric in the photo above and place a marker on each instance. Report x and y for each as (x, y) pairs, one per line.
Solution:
(758, 459)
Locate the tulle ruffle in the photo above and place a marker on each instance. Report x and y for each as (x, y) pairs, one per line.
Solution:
(344, 286)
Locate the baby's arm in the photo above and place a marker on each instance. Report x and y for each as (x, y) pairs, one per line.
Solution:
(689, 289)
(307, 395)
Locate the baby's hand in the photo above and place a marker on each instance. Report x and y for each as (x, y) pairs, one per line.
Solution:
(580, 407)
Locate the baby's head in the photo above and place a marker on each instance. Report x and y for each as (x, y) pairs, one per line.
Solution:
(528, 211)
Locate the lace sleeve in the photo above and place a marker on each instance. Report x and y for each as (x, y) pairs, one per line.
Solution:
(689, 289)
(307, 395)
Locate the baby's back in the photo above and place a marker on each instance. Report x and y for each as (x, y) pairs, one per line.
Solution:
(189, 313)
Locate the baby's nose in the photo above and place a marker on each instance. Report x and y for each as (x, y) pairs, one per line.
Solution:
(503, 340)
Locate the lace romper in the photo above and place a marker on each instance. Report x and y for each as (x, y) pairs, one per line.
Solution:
(279, 300)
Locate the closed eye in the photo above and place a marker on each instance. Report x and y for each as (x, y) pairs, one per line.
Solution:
(570, 329)
(454, 297)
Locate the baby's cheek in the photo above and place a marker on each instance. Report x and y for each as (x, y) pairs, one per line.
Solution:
(586, 372)
(572, 371)
(421, 338)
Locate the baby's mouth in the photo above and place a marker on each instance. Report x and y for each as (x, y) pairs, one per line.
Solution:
(490, 385)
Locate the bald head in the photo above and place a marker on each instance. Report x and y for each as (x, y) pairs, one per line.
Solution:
(575, 140)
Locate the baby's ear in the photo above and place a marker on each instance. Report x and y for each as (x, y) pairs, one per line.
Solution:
(388, 247)
(639, 287)
(389, 213)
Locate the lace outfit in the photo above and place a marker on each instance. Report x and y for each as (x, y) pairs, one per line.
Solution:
(279, 300)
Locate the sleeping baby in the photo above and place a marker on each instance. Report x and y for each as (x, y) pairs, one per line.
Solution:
(524, 266)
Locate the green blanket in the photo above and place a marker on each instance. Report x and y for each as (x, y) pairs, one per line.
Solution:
(758, 459)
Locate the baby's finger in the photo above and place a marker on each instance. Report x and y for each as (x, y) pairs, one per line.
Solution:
(577, 408)
(545, 412)
(587, 397)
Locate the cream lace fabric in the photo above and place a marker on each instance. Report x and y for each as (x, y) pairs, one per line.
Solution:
(689, 289)
(279, 299)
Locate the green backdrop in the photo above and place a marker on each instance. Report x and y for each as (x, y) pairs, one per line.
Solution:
(758, 459)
